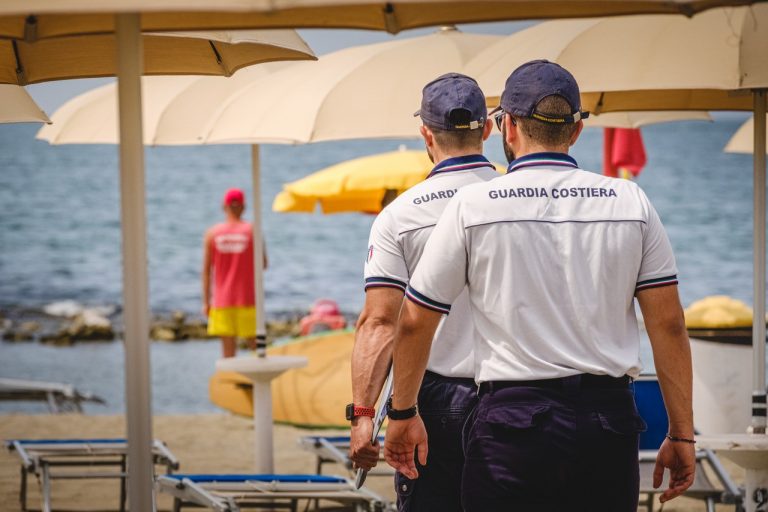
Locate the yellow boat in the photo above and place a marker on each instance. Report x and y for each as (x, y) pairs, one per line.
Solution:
(313, 396)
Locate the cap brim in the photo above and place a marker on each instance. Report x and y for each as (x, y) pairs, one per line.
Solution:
(494, 111)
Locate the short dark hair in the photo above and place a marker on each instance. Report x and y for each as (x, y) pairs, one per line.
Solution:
(549, 134)
(458, 139)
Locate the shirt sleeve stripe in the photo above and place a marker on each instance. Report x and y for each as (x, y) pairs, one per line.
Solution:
(424, 301)
(653, 283)
(377, 282)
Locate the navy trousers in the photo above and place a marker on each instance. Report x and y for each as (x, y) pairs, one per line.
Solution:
(444, 404)
(552, 449)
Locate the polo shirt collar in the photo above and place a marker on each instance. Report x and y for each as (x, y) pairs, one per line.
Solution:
(544, 159)
(460, 163)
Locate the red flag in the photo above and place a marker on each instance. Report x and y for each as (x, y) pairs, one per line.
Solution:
(623, 152)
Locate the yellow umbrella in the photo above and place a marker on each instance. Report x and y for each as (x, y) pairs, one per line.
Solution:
(361, 185)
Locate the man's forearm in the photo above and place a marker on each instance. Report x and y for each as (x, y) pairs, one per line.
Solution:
(416, 328)
(371, 358)
(665, 324)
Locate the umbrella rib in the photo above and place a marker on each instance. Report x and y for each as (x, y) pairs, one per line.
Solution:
(219, 60)
(20, 75)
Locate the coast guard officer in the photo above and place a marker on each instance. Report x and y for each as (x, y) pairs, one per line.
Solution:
(553, 258)
(453, 114)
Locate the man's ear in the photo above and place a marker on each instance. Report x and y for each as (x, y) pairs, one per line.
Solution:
(426, 133)
(576, 133)
(510, 129)
(487, 128)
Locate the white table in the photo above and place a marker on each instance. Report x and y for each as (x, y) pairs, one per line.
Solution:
(261, 371)
(749, 451)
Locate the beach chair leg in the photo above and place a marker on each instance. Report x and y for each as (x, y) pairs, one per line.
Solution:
(710, 505)
(123, 478)
(23, 489)
(46, 488)
(176, 505)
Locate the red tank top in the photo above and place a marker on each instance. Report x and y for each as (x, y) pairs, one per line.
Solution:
(232, 261)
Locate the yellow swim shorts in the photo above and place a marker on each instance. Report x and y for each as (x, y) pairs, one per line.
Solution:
(238, 322)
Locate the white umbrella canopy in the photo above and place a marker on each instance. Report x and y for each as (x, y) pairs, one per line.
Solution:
(176, 109)
(76, 17)
(644, 62)
(640, 119)
(368, 91)
(17, 106)
(743, 141)
(204, 53)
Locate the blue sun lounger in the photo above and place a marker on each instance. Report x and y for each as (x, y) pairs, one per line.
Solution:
(50, 459)
(231, 493)
(651, 407)
(335, 449)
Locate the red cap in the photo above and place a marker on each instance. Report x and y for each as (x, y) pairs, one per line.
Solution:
(234, 194)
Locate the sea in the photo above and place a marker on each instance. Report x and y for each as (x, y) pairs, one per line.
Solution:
(60, 239)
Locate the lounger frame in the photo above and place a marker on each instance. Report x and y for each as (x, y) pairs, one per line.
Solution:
(58, 459)
(335, 450)
(262, 492)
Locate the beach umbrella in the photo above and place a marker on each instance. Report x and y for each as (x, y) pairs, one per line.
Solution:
(292, 104)
(212, 56)
(640, 119)
(358, 185)
(17, 106)
(713, 61)
(362, 92)
(54, 18)
(743, 140)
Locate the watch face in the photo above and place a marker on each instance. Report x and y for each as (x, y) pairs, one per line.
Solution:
(350, 412)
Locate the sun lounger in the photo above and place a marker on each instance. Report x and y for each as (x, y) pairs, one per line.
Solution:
(50, 459)
(231, 493)
(59, 397)
(651, 408)
(335, 449)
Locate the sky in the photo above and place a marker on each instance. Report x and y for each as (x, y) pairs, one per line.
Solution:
(52, 95)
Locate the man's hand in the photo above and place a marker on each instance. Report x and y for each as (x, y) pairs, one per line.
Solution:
(680, 459)
(362, 453)
(403, 437)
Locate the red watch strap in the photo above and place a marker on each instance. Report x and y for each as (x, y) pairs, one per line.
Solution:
(364, 411)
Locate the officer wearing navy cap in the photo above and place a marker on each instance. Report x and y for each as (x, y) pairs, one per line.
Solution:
(553, 258)
(454, 126)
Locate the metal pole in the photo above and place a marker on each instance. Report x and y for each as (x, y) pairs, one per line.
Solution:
(758, 322)
(135, 292)
(258, 253)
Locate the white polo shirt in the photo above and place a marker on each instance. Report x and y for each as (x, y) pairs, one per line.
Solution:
(396, 243)
(552, 257)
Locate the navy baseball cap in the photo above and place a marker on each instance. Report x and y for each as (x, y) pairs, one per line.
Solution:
(453, 102)
(534, 81)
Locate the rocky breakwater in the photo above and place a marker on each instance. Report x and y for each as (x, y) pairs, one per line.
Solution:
(61, 323)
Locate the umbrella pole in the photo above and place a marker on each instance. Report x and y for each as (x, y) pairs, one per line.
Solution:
(758, 322)
(258, 252)
(135, 293)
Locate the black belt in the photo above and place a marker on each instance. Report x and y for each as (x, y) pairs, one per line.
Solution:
(582, 381)
(465, 381)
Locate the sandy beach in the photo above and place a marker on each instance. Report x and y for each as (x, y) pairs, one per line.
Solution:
(203, 443)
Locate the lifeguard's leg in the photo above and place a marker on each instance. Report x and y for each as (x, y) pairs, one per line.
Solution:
(228, 346)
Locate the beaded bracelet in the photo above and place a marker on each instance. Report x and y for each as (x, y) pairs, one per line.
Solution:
(680, 439)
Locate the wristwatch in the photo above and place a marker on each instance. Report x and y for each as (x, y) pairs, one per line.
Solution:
(353, 411)
(401, 414)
